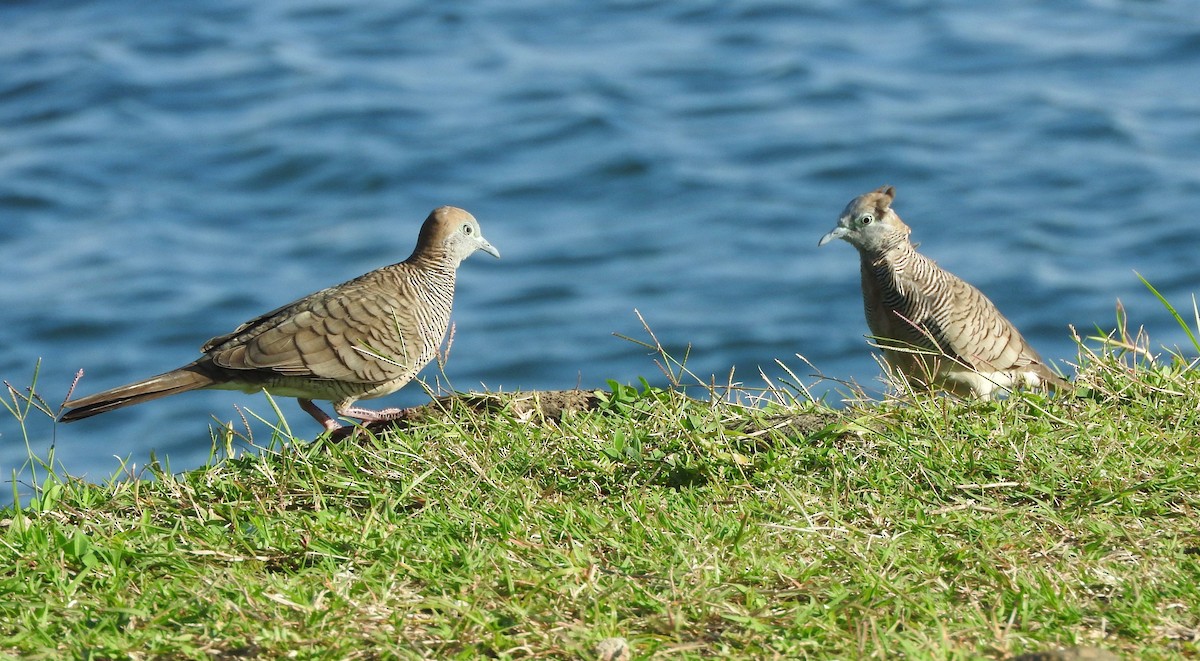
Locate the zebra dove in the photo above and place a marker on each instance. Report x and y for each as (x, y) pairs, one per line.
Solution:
(358, 340)
(933, 328)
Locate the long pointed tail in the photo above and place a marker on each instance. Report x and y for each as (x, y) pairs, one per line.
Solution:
(176, 381)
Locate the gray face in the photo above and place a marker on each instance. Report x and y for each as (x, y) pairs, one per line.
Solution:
(466, 239)
(868, 222)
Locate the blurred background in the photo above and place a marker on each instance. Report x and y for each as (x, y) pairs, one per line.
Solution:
(169, 170)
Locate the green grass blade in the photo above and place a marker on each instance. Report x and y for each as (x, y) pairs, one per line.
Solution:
(1171, 308)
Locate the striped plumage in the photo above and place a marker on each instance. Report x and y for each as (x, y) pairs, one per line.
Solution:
(361, 339)
(934, 328)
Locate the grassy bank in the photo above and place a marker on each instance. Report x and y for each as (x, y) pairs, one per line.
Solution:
(921, 528)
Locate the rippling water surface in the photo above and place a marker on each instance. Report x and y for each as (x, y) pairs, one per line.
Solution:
(169, 170)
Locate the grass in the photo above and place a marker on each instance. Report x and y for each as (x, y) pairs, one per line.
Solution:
(919, 527)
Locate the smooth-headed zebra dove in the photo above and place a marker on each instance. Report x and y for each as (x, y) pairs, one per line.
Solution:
(933, 328)
(361, 339)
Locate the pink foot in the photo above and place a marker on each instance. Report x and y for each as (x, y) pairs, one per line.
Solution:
(371, 415)
(320, 416)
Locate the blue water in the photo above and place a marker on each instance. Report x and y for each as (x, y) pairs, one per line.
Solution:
(169, 170)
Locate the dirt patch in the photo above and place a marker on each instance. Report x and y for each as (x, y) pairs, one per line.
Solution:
(799, 425)
(533, 405)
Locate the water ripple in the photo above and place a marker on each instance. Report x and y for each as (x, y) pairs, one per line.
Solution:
(168, 173)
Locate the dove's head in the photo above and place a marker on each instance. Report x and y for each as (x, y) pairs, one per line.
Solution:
(869, 224)
(452, 233)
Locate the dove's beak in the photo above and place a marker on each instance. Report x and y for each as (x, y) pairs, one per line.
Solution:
(837, 233)
(488, 248)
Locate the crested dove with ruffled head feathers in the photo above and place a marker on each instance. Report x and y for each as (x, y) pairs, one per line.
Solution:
(934, 328)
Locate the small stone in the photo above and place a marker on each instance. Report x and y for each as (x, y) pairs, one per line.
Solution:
(613, 649)
(1083, 653)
